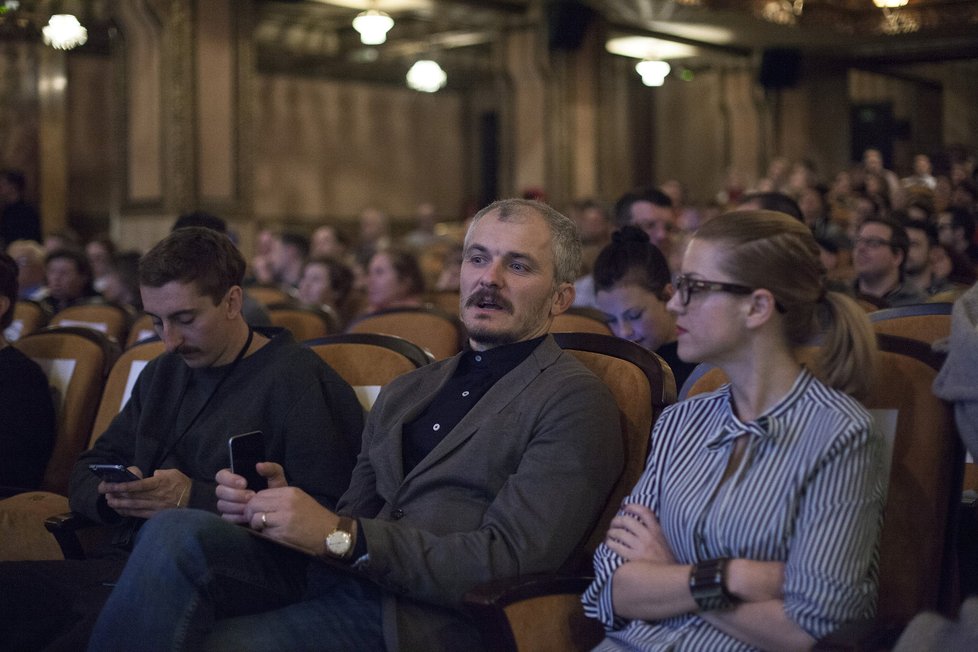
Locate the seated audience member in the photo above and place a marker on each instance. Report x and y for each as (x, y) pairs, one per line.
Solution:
(64, 239)
(121, 283)
(329, 242)
(756, 521)
(374, 234)
(652, 211)
(29, 256)
(423, 235)
(488, 465)
(288, 256)
(632, 286)
(956, 231)
(69, 280)
(954, 267)
(918, 270)
(879, 255)
(688, 219)
(922, 176)
(99, 252)
(218, 378)
(394, 280)
(326, 284)
(449, 278)
(956, 381)
(253, 311)
(27, 424)
(595, 224)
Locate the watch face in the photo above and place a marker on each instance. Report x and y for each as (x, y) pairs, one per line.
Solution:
(338, 543)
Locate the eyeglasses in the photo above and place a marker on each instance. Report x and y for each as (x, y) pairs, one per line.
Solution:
(686, 287)
(872, 243)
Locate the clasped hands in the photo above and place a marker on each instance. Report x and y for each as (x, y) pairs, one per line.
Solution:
(281, 512)
(636, 536)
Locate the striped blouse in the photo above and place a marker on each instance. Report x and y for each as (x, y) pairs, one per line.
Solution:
(808, 492)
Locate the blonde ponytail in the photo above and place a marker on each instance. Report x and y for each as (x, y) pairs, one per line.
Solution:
(847, 357)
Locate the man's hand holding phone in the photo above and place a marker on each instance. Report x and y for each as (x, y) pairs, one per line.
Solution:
(144, 497)
(233, 493)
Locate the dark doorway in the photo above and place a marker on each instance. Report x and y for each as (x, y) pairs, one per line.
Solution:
(873, 126)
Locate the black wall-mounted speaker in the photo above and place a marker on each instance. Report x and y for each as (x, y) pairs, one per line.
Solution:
(780, 68)
(567, 23)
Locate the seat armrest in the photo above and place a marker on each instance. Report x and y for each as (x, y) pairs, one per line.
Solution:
(870, 635)
(65, 528)
(533, 612)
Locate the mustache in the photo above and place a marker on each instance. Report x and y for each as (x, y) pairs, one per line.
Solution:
(488, 296)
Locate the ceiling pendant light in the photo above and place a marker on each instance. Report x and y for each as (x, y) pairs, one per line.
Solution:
(426, 76)
(373, 26)
(653, 72)
(64, 32)
(890, 4)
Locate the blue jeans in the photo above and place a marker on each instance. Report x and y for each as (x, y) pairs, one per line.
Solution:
(195, 581)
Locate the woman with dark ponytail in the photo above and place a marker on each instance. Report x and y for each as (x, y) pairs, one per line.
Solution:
(756, 521)
(632, 287)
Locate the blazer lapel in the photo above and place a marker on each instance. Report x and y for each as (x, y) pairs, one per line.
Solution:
(426, 391)
(492, 404)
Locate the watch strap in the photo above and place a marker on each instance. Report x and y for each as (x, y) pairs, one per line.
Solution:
(708, 586)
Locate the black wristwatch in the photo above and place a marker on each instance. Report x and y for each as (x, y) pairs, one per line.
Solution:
(707, 584)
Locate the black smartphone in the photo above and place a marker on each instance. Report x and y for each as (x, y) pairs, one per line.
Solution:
(113, 472)
(246, 451)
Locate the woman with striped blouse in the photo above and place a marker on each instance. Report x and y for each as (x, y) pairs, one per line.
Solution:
(756, 522)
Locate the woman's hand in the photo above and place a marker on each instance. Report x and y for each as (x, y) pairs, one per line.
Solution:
(635, 535)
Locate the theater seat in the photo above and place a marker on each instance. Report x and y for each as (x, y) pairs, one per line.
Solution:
(76, 361)
(106, 318)
(437, 331)
(303, 322)
(580, 319)
(543, 612)
(368, 361)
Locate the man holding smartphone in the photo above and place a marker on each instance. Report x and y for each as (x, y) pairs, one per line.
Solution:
(491, 464)
(218, 378)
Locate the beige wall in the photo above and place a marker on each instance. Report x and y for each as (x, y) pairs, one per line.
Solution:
(327, 149)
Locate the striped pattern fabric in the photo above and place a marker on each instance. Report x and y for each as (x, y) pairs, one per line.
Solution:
(808, 491)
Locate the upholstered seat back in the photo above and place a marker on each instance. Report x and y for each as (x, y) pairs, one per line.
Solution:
(368, 361)
(430, 328)
(75, 361)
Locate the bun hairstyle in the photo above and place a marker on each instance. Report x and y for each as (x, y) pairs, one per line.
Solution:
(631, 259)
(771, 250)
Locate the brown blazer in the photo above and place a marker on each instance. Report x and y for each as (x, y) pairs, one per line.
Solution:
(511, 490)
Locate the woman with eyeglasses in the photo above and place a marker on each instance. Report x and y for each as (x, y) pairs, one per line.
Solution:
(756, 521)
(632, 286)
